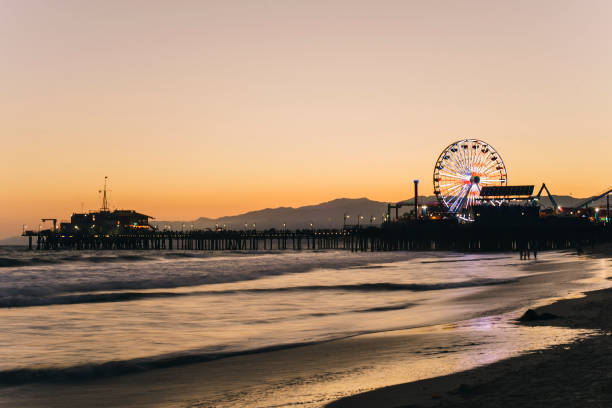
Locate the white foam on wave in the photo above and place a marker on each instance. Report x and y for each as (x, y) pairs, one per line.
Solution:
(168, 270)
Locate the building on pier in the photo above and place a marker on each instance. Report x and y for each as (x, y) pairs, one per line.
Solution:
(106, 222)
(505, 205)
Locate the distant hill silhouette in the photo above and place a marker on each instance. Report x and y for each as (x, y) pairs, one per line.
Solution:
(324, 215)
(329, 214)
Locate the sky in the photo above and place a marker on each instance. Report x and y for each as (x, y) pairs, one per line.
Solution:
(211, 108)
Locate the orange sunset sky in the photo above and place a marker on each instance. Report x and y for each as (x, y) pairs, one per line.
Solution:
(210, 108)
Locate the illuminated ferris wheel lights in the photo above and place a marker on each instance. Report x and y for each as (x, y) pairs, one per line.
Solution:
(460, 171)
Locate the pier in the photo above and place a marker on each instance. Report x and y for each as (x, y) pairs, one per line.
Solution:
(397, 236)
(195, 240)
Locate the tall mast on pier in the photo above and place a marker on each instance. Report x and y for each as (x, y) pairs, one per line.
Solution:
(104, 201)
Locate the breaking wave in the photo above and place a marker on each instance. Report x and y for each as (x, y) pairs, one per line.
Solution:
(381, 287)
(466, 260)
(95, 272)
(51, 258)
(37, 261)
(92, 371)
(27, 301)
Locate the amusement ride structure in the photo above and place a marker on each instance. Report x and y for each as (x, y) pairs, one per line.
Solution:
(462, 170)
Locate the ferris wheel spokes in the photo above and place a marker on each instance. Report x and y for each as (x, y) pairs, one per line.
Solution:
(460, 171)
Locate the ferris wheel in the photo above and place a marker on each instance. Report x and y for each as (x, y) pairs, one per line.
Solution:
(462, 169)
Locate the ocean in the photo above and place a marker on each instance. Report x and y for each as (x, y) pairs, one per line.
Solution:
(82, 317)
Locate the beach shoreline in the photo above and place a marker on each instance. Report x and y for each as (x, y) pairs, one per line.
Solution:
(321, 373)
(575, 374)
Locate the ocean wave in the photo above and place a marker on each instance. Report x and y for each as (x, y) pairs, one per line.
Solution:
(37, 261)
(377, 287)
(16, 262)
(175, 255)
(387, 308)
(85, 372)
(197, 254)
(25, 301)
(11, 262)
(208, 269)
(30, 301)
(466, 260)
(118, 258)
(368, 267)
(100, 258)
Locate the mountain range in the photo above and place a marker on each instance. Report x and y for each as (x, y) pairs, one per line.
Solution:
(324, 215)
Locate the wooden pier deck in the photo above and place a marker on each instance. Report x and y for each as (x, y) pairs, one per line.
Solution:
(390, 237)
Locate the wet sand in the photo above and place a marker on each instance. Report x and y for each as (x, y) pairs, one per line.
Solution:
(571, 375)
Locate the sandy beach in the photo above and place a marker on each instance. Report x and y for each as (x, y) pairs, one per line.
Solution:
(569, 375)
